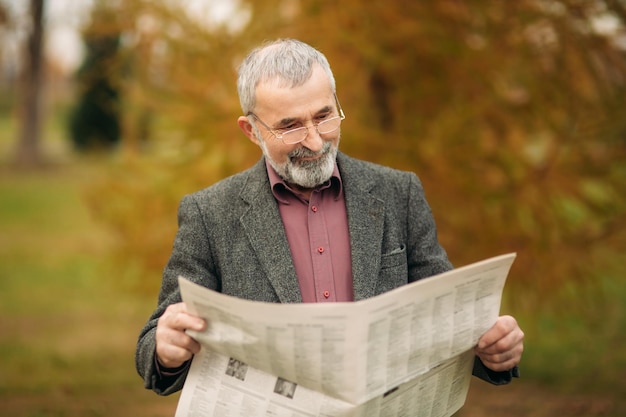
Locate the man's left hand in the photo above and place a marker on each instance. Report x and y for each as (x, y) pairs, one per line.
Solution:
(500, 348)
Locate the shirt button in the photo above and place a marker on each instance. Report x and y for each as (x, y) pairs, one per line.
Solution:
(314, 209)
(326, 294)
(320, 250)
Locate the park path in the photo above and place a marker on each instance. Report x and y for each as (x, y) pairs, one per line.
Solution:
(529, 399)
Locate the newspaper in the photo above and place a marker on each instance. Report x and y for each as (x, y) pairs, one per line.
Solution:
(408, 352)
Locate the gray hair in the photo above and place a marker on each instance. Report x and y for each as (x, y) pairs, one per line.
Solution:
(288, 61)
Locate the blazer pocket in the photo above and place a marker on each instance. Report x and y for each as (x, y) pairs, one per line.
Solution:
(396, 257)
(394, 270)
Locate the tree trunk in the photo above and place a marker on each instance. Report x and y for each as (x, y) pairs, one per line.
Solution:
(28, 145)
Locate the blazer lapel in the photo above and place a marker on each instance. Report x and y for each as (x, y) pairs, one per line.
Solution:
(266, 233)
(366, 220)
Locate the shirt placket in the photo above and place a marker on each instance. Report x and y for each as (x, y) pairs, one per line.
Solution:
(320, 250)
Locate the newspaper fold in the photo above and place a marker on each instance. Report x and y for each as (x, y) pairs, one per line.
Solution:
(408, 352)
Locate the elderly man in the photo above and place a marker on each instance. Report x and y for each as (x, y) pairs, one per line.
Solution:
(307, 223)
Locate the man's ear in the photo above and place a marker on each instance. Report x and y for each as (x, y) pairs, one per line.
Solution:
(246, 128)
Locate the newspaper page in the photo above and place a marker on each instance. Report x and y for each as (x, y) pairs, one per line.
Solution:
(408, 352)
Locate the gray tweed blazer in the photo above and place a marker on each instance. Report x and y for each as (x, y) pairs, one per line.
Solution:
(231, 239)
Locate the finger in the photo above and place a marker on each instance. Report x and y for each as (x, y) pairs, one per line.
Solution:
(167, 336)
(502, 327)
(174, 347)
(500, 366)
(514, 352)
(172, 356)
(506, 343)
(177, 317)
(502, 361)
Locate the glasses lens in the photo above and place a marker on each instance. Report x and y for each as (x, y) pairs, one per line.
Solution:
(328, 126)
(294, 136)
(323, 128)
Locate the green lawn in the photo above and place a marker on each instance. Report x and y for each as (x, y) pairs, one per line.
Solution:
(66, 336)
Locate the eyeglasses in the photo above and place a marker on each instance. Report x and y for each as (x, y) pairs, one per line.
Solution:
(297, 135)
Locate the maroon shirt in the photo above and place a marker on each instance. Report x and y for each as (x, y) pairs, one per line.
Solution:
(317, 232)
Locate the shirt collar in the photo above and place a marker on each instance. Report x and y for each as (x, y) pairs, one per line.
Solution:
(280, 187)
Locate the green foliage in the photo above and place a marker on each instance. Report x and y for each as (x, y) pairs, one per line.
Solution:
(510, 113)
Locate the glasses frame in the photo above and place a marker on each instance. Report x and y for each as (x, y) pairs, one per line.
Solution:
(280, 136)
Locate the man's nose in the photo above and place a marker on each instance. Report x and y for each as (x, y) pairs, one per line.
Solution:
(313, 139)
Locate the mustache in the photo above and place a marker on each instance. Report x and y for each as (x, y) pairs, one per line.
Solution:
(304, 152)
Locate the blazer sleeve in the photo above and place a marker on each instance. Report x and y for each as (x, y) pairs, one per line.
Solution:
(493, 377)
(188, 259)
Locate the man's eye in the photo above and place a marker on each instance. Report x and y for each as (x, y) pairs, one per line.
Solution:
(290, 126)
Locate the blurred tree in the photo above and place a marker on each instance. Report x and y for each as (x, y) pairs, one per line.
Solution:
(181, 79)
(28, 151)
(95, 121)
(5, 24)
(510, 112)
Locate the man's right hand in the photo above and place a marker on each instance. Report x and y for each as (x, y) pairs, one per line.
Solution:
(173, 346)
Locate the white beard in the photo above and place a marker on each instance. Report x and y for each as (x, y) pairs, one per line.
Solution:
(305, 174)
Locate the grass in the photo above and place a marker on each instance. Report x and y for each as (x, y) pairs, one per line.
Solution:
(582, 342)
(66, 335)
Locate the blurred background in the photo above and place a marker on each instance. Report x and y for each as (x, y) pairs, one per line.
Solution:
(513, 114)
